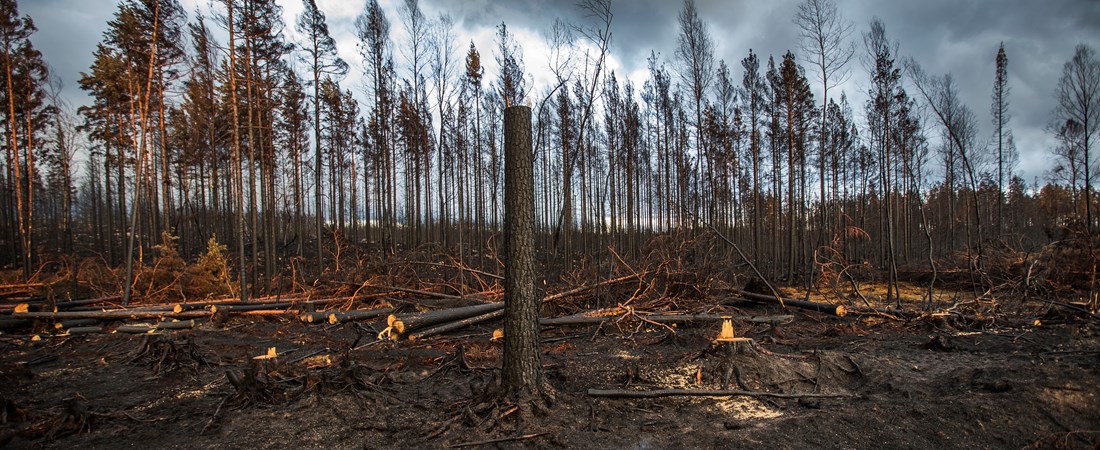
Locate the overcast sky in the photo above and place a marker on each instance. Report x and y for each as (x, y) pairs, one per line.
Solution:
(945, 36)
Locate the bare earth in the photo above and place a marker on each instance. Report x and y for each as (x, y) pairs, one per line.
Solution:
(899, 385)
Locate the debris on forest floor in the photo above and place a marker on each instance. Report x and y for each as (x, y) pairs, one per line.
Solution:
(324, 386)
(406, 352)
(101, 314)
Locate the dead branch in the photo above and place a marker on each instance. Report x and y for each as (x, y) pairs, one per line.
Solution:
(467, 269)
(421, 292)
(144, 314)
(581, 319)
(496, 441)
(575, 291)
(626, 393)
(748, 261)
(884, 312)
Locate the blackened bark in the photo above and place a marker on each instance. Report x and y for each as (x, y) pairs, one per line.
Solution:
(522, 374)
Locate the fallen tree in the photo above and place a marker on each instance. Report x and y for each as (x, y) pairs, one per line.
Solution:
(353, 315)
(836, 310)
(166, 325)
(456, 325)
(405, 323)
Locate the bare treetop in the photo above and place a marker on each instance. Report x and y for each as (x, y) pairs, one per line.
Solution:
(824, 39)
(695, 47)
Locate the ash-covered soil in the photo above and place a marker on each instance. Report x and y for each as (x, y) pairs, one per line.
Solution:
(893, 384)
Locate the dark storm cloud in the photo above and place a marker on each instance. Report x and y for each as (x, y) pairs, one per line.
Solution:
(68, 31)
(944, 36)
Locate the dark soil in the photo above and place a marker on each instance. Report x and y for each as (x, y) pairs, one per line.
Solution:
(900, 385)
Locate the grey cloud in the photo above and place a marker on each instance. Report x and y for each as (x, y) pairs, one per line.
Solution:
(946, 36)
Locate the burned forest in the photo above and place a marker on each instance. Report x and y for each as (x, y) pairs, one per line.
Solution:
(593, 224)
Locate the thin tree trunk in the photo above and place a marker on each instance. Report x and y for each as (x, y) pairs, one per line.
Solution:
(236, 169)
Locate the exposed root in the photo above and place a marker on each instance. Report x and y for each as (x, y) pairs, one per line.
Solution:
(166, 353)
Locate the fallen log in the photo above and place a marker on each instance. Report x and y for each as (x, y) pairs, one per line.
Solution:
(248, 307)
(581, 319)
(313, 317)
(403, 323)
(112, 315)
(84, 330)
(21, 301)
(19, 287)
(46, 306)
(119, 308)
(889, 312)
(19, 308)
(836, 310)
(9, 299)
(273, 301)
(420, 292)
(626, 393)
(71, 323)
(336, 317)
(1076, 308)
(573, 320)
(11, 324)
(90, 301)
(206, 304)
(456, 325)
(145, 328)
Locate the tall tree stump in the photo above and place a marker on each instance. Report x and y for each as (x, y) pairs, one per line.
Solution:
(522, 372)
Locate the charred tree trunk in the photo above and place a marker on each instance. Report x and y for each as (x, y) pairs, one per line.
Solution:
(522, 374)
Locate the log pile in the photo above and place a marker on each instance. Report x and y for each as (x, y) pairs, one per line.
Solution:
(99, 315)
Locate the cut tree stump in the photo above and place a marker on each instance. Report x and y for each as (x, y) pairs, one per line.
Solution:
(313, 317)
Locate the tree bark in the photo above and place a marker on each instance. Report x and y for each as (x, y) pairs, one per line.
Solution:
(403, 323)
(456, 325)
(522, 371)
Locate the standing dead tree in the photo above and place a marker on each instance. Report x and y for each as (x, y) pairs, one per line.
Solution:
(959, 126)
(825, 45)
(1078, 96)
(522, 372)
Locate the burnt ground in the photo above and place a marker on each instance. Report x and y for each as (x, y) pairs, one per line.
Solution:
(899, 385)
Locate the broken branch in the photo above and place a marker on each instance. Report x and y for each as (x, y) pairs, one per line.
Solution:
(626, 393)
